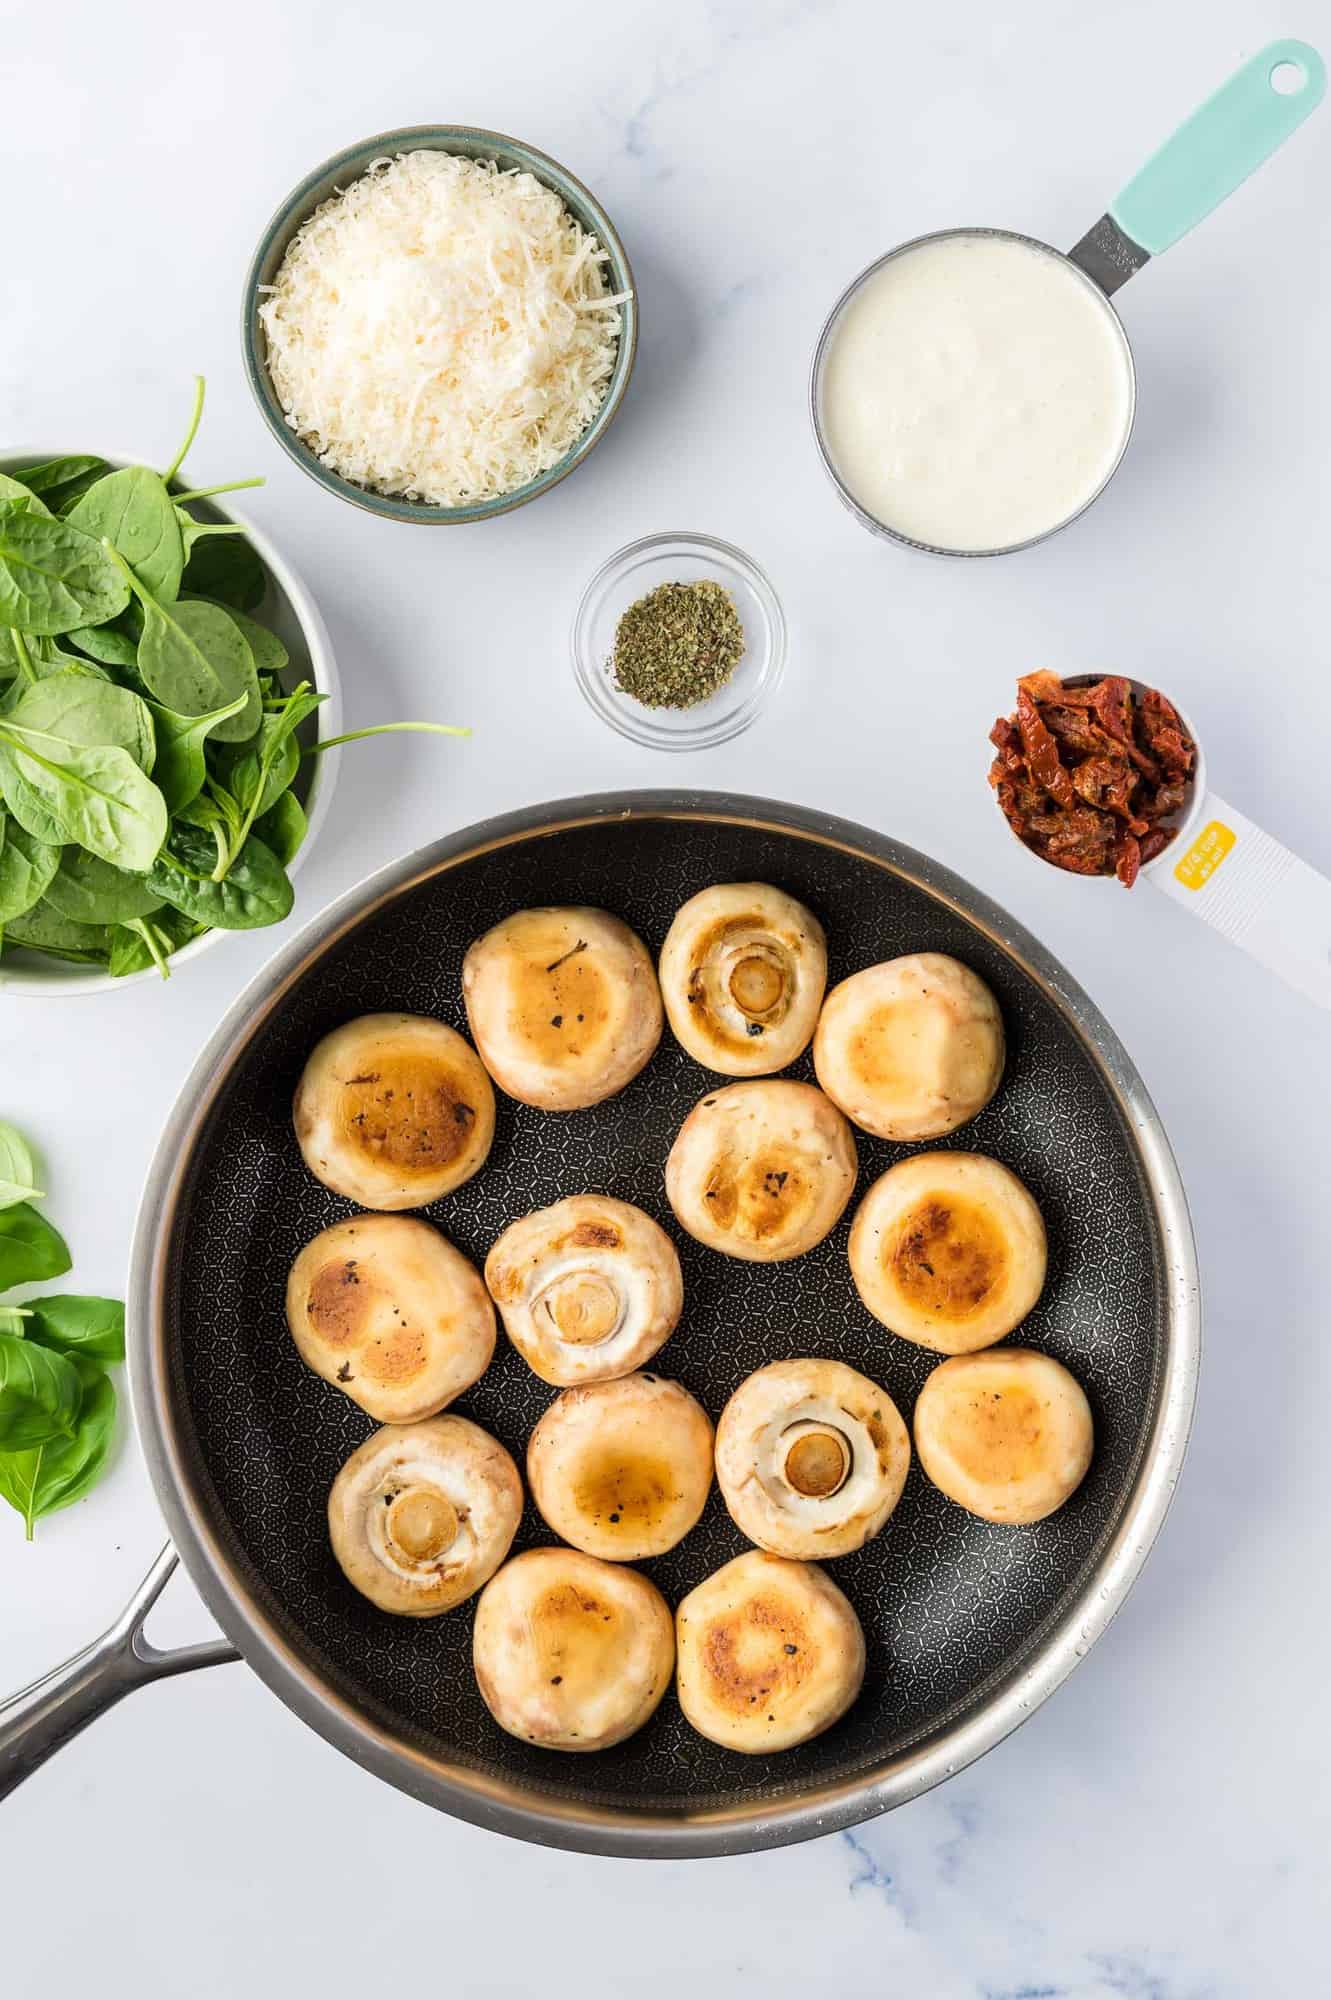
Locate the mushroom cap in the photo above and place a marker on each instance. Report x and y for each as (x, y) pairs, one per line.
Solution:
(762, 1170)
(770, 1653)
(1007, 1434)
(811, 1457)
(587, 1289)
(385, 1308)
(563, 1004)
(622, 1469)
(948, 1250)
(912, 1048)
(421, 1515)
(571, 1653)
(394, 1110)
(743, 971)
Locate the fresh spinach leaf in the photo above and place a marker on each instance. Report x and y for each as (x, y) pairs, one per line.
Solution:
(225, 569)
(18, 1168)
(40, 1392)
(15, 489)
(91, 891)
(258, 774)
(59, 473)
(133, 510)
(87, 710)
(53, 1475)
(270, 655)
(42, 930)
(193, 532)
(97, 795)
(29, 807)
(193, 659)
(52, 577)
(26, 868)
(255, 892)
(283, 828)
(75, 1323)
(147, 941)
(179, 770)
(111, 644)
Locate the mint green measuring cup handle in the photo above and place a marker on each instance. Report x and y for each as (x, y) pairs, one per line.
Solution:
(1221, 144)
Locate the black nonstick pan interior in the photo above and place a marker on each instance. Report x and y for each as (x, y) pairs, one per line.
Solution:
(948, 1603)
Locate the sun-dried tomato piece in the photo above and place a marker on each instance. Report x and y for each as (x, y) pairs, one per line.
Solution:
(1042, 752)
(1086, 773)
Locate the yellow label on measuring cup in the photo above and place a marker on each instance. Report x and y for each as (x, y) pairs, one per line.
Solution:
(1205, 855)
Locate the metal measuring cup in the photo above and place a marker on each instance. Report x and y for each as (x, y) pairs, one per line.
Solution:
(1222, 868)
(1211, 155)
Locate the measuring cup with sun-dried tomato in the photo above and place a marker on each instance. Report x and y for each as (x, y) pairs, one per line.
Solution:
(1107, 778)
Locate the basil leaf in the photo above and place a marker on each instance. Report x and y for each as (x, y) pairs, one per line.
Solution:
(179, 770)
(133, 509)
(18, 1168)
(14, 1319)
(26, 868)
(283, 828)
(30, 1249)
(53, 578)
(40, 1394)
(54, 1475)
(90, 891)
(75, 1323)
(226, 569)
(97, 797)
(256, 890)
(85, 709)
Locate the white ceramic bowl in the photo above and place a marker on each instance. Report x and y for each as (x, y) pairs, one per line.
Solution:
(292, 613)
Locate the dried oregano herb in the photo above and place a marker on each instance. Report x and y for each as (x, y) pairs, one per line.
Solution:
(677, 645)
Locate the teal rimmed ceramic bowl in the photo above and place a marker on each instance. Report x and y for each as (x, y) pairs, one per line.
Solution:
(476, 144)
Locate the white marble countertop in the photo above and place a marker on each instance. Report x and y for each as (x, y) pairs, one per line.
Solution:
(1159, 1829)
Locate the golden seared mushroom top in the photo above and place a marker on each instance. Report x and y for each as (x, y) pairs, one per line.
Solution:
(622, 1469)
(912, 1048)
(1007, 1434)
(563, 1004)
(587, 1289)
(394, 1110)
(948, 1250)
(384, 1307)
(743, 970)
(571, 1653)
(421, 1515)
(762, 1170)
(770, 1653)
(811, 1458)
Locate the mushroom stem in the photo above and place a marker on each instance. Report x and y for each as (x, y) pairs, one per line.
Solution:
(422, 1523)
(817, 1461)
(756, 984)
(585, 1307)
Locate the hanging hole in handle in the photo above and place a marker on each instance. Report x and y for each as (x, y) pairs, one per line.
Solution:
(1287, 79)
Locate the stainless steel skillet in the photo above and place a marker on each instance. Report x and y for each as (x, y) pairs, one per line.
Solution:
(969, 1626)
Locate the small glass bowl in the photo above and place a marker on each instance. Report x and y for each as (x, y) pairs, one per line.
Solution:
(629, 575)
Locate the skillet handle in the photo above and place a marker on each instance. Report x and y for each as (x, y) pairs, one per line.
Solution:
(41, 1718)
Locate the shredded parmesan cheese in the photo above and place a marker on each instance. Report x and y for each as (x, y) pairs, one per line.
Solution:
(441, 329)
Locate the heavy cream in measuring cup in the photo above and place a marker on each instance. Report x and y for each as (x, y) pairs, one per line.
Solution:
(976, 392)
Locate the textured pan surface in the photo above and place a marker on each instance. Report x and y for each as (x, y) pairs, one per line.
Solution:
(949, 1604)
